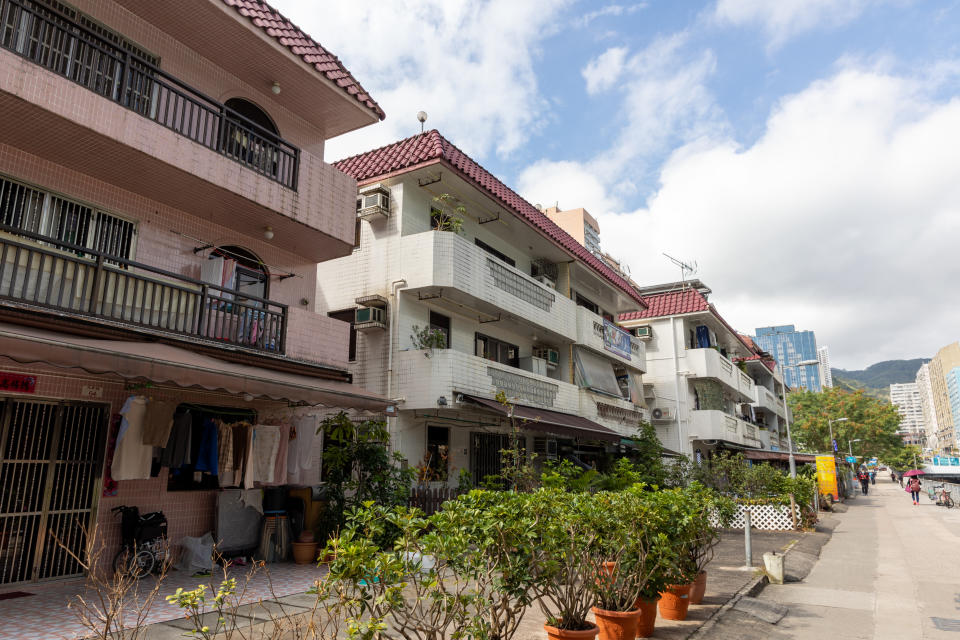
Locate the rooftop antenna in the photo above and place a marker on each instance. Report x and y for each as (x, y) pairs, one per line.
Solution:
(422, 117)
(686, 269)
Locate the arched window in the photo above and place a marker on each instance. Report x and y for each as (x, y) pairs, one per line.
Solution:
(253, 113)
(250, 277)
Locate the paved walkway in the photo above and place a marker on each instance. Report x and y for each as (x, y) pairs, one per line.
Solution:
(891, 570)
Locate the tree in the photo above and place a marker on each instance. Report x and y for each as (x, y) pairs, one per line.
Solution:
(869, 420)
(907, 458)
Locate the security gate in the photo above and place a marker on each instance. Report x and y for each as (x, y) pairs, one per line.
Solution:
(51, 458)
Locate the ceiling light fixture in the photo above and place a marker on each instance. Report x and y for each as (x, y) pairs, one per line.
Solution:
(268, 233)
(275, 88)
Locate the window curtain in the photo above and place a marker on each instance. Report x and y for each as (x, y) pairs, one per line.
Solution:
(636, 388)
(596, 373)
(703, 337)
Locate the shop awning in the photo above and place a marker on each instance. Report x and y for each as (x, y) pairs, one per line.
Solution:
(778, 455)
(547, 421)
(163, 363)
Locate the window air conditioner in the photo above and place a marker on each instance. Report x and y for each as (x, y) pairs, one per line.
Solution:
(644, 332)
(551, 355)
(373, 202)
(370, 316)
(662, 414)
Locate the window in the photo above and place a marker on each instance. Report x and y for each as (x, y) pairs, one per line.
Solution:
(441, 323)
(250, 274)
(348, 316)
(62, 220)
(497, 350)
(587, 304)
(483, 245)
(357, 231)
(253, 113)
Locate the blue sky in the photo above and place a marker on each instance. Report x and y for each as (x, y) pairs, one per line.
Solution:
(804, 152)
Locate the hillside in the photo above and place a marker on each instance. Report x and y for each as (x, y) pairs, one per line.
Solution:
(876, 379)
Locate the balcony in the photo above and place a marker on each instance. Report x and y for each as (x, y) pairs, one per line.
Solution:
(72, 98)
(445, 264)
(618, 414)
(708, 363)
(78, 283)
(768, 401)
(717, 425)
(590, 333)
(424, 376)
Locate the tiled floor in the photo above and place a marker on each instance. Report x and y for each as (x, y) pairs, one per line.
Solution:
(45, 615)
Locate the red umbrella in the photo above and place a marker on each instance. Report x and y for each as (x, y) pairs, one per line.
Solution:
(914, 472)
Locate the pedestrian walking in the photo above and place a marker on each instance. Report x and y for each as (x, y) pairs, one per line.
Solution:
(893, 476)
(873, 477)
(914, 487)
(864, 479)
(900, 478)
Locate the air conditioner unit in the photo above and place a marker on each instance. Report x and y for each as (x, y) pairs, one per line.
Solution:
(373, 202)
(551, 355)
(662, 414)
(644, 332)
(546, 447)
(369, 318)
(534, 365)
(546, 280)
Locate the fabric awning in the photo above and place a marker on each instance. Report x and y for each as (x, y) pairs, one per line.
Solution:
(547, 421)
(163, 363)
(778, 455)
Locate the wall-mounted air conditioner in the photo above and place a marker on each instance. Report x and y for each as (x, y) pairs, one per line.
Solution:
(644, 332)
(369, 318)
(551, 355)
(373, 203)
(662, 414)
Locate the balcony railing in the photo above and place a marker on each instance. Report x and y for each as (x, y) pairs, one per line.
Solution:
(85, 283)
(67, 48)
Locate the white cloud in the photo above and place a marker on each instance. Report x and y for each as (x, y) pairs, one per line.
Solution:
(603, 71)
(469, 65)
(607, 11)
(843, 218)
(781, 20)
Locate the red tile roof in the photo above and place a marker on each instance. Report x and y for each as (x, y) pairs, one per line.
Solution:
(671, 303)
(289, 35)
(431, 147)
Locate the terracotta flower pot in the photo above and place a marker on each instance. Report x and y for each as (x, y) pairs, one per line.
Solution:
(648, 617)
(616, 625)
(698, 587)
(304, 552)
(674, 602)
(562, 634)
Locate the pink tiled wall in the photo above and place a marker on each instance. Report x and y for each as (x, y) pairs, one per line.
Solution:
(158, 244)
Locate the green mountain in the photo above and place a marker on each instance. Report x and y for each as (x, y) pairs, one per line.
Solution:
(876, 379)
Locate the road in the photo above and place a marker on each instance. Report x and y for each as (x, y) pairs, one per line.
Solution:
(891, 570)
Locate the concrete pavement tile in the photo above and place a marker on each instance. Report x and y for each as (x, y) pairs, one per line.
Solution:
(797, 565)
(769, 612)
(819, 596)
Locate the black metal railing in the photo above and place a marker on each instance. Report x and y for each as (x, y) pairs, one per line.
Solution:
(63, 46)
(82, 282)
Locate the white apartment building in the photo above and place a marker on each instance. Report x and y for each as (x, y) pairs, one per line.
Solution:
(823, 358)
(521, 307)
(909, 403)
(708, 387)
(930, 424)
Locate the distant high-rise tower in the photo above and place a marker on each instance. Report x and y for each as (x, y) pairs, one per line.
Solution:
(826, 378)
(579, 224)
(790, 347)
(906, 398)
(930, 424)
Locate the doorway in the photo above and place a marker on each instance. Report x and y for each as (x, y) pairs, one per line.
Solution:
(51, 464)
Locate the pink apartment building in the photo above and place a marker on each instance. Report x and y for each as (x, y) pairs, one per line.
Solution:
(163, 207)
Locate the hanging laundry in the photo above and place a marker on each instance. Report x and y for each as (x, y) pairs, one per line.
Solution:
(208, 452)
(178, 449)
(280, 465)
(131, 460)
(159, 422)
(703, 336)
(248, 464)
(109, 484)
(266, 443)
(300, 450)
(252, 498)
(225, 455)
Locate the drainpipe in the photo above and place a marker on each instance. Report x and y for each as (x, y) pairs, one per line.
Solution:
(676, 381)
(391, 343)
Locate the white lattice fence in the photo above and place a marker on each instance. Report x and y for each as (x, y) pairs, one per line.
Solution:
(766, 517)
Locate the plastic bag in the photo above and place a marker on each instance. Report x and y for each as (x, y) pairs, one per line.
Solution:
(196, 553)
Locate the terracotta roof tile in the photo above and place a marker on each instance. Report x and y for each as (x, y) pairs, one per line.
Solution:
(431, 146)
(670, 303)
(274, 24)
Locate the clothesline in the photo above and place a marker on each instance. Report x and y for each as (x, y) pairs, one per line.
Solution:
(282, 274)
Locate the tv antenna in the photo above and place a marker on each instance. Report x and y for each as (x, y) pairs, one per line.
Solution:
(686, 268)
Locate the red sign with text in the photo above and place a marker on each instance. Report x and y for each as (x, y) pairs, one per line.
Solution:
(17, 382)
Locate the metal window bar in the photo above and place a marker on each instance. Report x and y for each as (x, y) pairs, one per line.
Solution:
(67, 48)
(92, 283)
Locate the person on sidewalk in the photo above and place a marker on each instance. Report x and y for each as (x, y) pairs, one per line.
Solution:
(893, 476)
(864, 479)
(873, 476)
(914, 487)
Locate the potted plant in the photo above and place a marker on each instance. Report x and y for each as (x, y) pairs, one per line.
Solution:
(714, 511)
(566, 558)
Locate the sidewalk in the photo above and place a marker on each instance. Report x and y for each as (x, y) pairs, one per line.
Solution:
(889, 571)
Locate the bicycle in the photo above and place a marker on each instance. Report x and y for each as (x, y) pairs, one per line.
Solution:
(144, 538)
(943, 497)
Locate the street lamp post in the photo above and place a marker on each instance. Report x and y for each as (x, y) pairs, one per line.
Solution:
(830, 427)
(850, 445)
(786, 415)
